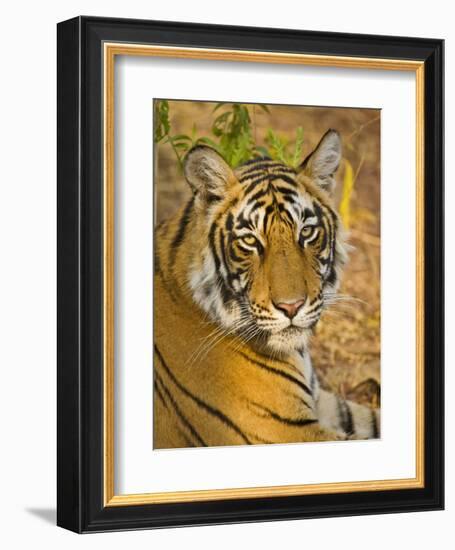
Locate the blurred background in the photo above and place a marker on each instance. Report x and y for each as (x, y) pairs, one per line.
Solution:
(346, 346)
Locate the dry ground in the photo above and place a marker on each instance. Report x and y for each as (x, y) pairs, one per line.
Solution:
(346, 346)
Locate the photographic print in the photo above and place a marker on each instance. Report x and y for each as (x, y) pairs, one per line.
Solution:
(267, 274)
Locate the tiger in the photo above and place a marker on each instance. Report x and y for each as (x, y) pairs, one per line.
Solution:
(243, 272)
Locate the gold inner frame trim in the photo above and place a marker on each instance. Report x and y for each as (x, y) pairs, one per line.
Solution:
(109, 52)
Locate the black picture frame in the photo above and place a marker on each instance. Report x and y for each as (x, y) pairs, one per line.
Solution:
(80, 474)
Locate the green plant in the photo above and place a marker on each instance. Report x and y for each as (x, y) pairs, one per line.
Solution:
(232, 135)
(280, 149)
(180, 143)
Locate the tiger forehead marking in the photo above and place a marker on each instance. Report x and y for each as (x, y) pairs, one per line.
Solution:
(271, 196)
(269, 246)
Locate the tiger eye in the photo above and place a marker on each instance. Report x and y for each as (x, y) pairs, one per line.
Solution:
(307, 231)
(249, 240)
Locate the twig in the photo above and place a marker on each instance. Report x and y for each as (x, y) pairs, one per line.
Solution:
(363, 126)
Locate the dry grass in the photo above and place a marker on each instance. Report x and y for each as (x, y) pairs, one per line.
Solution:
(346, 346)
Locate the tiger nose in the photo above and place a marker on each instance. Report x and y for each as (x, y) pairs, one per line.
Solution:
(290, 309)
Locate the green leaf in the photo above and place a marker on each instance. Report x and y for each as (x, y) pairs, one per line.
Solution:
(262, 151)
(181, 146)
(162, 124)
(217, 106)
(298, 148)
(277, 146)
(207, 141)
(181, 137)
(219, 124)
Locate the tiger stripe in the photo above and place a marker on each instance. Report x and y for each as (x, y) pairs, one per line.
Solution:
(186, 423)
(278, 372)
(202, 404)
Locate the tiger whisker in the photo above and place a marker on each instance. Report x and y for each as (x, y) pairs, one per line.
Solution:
(213, 339)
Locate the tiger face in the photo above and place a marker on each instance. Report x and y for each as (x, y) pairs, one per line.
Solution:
(270, 245)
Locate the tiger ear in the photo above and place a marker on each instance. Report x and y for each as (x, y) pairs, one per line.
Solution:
(322, 163)
(207, 173)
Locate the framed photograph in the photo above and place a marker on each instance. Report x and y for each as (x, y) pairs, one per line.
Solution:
(250, 274)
